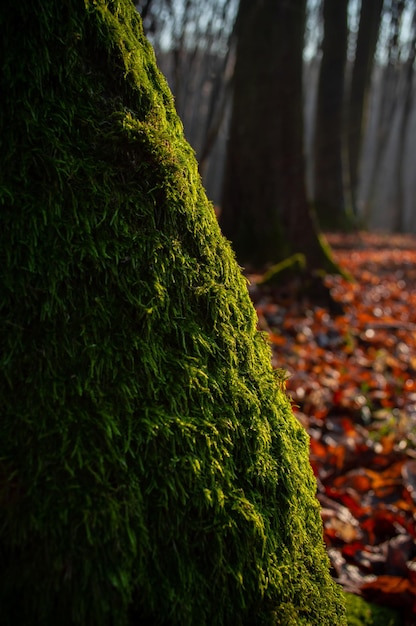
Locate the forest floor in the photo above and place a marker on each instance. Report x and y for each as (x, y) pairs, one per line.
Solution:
(352, 379)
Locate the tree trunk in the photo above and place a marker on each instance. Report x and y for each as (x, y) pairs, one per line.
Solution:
(151, 468)
(264, 209)
(370, 17)
(329, 193)
(399, 218)
(387, 110)
(389, 99)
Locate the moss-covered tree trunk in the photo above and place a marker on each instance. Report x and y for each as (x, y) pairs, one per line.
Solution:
(151, 469)
(264, 210)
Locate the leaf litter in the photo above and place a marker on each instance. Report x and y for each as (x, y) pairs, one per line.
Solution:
(352, 380)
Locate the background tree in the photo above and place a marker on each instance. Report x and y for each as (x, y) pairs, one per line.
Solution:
(399, 218)
(387, 110)
(151, 468)
(329, 195)
(370, 17)
(264, 206)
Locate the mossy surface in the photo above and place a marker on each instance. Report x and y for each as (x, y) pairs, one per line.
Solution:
(151, 469)
(286, 270)
(362, 613)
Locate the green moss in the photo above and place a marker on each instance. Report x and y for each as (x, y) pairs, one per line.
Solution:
(151, 468)
(285, 270)
(362, 613)
(331, 266)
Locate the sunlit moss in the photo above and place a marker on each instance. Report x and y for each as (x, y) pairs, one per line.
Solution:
(151, 469)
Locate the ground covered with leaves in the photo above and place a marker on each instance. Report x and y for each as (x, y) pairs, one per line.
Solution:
(351, 363)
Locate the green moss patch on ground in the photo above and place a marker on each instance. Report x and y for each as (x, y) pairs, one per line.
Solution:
(362, 613)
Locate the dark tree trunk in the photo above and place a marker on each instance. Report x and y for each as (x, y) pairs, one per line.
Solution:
(389, 101)
(329, 195)
(370, 17)
(264, 207)
(399, 218)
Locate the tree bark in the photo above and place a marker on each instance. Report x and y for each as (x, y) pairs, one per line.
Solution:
(264, 208)
(370, 17)
(329, 190)
(399, 217)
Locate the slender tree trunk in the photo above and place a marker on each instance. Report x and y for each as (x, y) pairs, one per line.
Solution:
(264, 206)
(387, 110)
(399, 218)
(370, 17)
(329, 194)
(390, 82)
(217, 106)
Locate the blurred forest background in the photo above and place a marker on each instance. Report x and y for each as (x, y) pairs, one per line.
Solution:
(318, 93)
